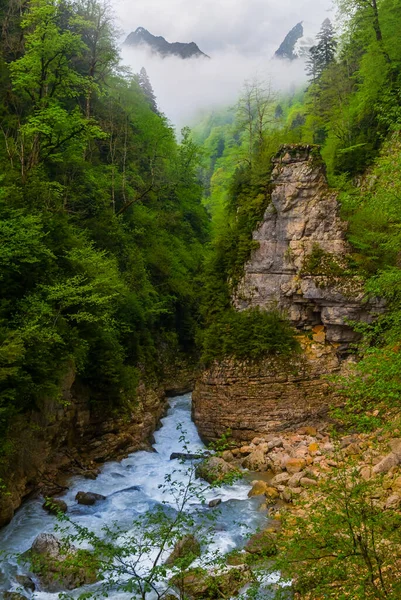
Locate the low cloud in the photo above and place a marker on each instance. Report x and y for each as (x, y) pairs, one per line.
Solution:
(185, 88)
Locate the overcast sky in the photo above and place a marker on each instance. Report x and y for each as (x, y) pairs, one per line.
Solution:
(217, 24)
(239, 35)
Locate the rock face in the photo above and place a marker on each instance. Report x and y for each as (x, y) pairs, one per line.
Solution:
(74, 436)
(160, 46)
(287, 48)
(300, 268)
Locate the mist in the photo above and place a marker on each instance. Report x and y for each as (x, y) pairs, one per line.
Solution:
(240, 36)
(186, 88)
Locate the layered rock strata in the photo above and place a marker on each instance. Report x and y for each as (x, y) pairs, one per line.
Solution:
(301, 268)
(301, 264)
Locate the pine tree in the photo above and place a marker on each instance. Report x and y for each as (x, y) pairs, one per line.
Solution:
(312, 65)
(327, 44)
(323, 53)
(146, 87)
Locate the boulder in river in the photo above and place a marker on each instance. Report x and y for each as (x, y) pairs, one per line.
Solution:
(185, 551)
(183, 456)
(60, 566)
(216, 470)
(13, 596)
(54, 506)
(214, 503)
(88, 498)
(25, 582)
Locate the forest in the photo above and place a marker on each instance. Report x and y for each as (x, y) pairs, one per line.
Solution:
(122, 243)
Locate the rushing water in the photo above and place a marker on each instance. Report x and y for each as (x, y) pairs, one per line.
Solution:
(132, 487)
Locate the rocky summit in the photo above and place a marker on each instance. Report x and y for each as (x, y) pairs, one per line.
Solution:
(159, 45)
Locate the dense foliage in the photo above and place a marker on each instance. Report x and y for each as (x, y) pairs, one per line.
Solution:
(101, 225)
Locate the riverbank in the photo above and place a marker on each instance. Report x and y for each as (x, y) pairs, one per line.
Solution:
(133, 486)
(74, 436)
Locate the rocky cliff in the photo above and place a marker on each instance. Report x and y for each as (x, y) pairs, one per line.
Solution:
(141, 37)
(302, 268)
(75, 436)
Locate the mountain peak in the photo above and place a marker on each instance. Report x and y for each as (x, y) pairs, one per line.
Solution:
(159, 45)
(287, 48)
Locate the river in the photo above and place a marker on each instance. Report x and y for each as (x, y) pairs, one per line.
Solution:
(132, 487)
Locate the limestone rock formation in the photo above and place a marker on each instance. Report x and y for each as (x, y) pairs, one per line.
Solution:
(301, 265)
(301, 268)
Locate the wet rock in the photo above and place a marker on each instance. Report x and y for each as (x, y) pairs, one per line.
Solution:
(215, 470)
(54, 506)
(214, 503)
(258, 489)
(60, 567)
(91, 474)
(183, 456)
(13, 596)
(88, 498)
(186, 550)
(25, 582)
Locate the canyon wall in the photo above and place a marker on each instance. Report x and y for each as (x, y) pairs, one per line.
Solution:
(74, 435)
(302, 268)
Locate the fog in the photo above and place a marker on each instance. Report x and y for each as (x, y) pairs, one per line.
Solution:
(241, 37)
(185, 88)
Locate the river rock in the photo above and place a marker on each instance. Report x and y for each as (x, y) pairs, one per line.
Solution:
(214, 503)
(54, 506)
(183, 456)
(215, 470)
(26, 582)
(60, 567)
(280, 479)
(295, 465)
(13, 596)
(88, 498)
(258, 489)
(199, 584)
(185, 550)
(256, 461)
(294, 480)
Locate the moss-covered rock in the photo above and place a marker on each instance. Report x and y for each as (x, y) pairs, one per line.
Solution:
(185, 551)
(60, 567)
(199, 584)
(216, 470)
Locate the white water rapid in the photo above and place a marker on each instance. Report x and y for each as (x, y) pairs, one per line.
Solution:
(132, 487)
